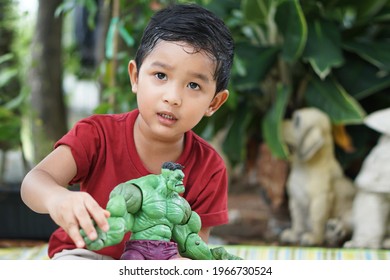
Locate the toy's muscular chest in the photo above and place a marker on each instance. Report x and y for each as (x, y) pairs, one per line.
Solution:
(172, 208)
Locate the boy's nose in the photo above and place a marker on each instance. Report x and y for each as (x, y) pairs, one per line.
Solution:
(172, 97)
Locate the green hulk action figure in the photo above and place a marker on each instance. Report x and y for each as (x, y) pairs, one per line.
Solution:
(151, 208)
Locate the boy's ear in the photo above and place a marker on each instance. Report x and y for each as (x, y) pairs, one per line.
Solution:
(217, 102)
(133, 74)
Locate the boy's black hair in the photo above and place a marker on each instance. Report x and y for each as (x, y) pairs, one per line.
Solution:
(196, 26)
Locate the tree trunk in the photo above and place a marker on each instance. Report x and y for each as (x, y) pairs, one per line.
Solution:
(48, 114)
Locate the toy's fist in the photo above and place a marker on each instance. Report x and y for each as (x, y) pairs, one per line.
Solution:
(113, 236)
(220, 253)
(96, 244)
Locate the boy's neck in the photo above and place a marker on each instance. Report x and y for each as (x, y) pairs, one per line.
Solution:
(153, 153)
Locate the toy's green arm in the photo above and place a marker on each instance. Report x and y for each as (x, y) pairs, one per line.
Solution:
(124, 201)
(192, 246)
(132, 195)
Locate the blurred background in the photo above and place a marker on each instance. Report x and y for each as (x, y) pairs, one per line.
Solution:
(62, 60)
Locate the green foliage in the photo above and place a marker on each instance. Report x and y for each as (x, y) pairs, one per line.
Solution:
(10, 88)
(292, 54)
(9, 129)
(289, 54)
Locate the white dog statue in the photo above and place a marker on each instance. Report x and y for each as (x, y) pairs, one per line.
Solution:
(320, 196)
(371, 207)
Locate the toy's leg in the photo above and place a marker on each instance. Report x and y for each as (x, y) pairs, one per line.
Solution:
(132, 255)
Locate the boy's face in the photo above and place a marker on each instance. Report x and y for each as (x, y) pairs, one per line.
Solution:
(175, 88)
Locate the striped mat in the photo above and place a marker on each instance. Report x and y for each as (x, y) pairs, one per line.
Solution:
(304, 253)
(247, 252)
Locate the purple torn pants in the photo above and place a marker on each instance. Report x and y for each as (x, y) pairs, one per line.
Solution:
(149, 250)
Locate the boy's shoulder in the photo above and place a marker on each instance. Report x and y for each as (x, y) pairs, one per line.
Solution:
(108, 120)
(109, 117)
(205, 147)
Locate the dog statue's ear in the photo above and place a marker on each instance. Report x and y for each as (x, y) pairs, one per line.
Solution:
(310, 143)
(288, 132)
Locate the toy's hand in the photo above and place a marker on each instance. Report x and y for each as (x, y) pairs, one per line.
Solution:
(113, 236)
(119, 223)
(220, 253)
(97, 243)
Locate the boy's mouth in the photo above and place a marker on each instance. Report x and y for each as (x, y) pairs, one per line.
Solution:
(167, 116)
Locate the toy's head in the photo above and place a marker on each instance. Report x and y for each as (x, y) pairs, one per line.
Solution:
(173, 174)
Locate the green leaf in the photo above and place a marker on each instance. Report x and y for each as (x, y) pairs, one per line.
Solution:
(272, 123)
(330, 97)
(376, 53)
(9, 129)
(235, 140)
(6, 57)
(349, 75)
(110, 37)
(255, 62)
(7, 75)
(367, 9)
(292, 25)
(126, 36)
(255, 10)
(323, 48)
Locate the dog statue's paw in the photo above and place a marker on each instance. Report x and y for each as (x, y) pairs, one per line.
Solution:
(309, 239)
(348, 244)
(360, 243)
(335, 232)
(289, 236)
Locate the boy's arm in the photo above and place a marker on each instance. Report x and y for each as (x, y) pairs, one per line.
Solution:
(204, 233)
(44, 190)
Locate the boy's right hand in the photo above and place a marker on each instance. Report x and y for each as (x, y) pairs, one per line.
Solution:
(75, 210)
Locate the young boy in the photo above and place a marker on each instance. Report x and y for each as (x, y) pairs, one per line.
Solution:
(180, 74)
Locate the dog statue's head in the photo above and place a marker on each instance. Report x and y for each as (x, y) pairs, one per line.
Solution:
(307, 132)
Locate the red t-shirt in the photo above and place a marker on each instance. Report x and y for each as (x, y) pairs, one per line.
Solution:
(104, 150)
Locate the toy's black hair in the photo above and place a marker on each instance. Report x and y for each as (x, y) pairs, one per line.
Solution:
(172, 165)
(196, 26)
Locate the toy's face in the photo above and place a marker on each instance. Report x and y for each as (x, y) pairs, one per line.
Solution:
(174, 180)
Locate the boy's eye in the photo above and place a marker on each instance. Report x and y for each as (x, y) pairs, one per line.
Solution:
(161, 76)
(193, 85)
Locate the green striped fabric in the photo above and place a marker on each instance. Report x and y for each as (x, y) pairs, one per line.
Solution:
(247, 252)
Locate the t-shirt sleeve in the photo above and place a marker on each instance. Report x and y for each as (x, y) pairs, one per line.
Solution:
(211, 204)
(83, 140)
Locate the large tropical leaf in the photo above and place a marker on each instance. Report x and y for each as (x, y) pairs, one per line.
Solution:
(331, 97)
(351, 73)
(272, 122)
(323, 47)
(376, 53)
(235, 140)
(256, 62)
(292, 25)
(256, 10)
(367, 9)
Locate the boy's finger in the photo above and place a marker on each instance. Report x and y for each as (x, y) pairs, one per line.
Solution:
(99, 215)
(74, 234)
